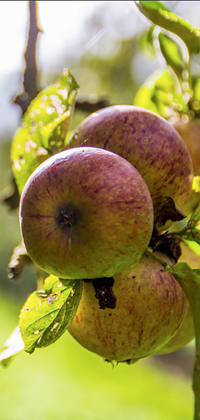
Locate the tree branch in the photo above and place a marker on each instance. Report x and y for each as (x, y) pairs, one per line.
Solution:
(30, 89)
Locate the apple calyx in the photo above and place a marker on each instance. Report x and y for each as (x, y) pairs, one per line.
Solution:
(67, 217)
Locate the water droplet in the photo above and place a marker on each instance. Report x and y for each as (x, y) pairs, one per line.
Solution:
(54, 326)
(52, 315)
(27, 310)
(60, 284)
(36, 332)
(49, 299)
(36, 309)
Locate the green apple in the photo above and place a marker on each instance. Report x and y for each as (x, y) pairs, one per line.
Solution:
(150, 307)
(148, 142)
(86, 213)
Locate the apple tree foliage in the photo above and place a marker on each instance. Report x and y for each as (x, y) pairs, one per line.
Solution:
(172, 92)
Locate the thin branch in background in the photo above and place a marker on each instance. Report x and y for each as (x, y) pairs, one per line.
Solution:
(30, 89)
(92, 105)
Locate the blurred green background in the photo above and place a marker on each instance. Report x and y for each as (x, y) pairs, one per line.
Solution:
(98, 42)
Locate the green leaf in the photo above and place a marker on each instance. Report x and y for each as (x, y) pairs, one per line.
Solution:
(172, 54)
(44, 127)
(146, 41)
(189, 280)
(192, 231)
(13, 346)
(46, 315)
(159, 94)
(165, 18)
(196, 90)
(196, 184)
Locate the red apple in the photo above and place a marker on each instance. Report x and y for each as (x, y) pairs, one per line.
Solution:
(86, 213)
(150, 307)
(148, 142)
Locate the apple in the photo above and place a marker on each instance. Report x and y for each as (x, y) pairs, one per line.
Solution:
(148, 142)
(148, 308)
(190, 133)
(86, 213)
(186, 333)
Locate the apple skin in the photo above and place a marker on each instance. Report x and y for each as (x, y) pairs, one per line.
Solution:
(190, 133)
(86, 213)
(184, 336)
(150, 307)
(186, 333)
(147, 141)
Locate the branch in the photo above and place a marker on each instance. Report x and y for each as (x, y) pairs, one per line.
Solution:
(30, 89)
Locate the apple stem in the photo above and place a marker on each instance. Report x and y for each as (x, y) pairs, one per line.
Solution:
(160, 260)
(40, 279)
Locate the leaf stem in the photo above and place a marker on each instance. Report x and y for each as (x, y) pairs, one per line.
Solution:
(157, 258)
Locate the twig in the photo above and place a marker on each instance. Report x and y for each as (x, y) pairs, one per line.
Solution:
(91, 106)
(30, 89)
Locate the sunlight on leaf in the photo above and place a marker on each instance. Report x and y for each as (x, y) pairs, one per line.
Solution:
(192, 231)
(196, 184)
(162, 16)
(47, 314)
(172, 53)
(44, 127)
(146, 41)
(160, 94)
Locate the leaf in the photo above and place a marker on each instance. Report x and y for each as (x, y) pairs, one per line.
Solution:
(13, 346)
(146, 41)
(166, 209)
(44, 127)
(46, 315)
(196, 90)
(18, 261)
(192, 231)
(159, 94)
(189, 280)
(172, 54)
(196, 184)
(162, 16)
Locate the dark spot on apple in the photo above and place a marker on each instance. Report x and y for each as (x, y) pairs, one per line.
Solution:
(67, 217)
(133, 277)
(104, 293)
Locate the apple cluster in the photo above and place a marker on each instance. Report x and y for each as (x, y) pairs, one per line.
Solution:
(88, 213)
